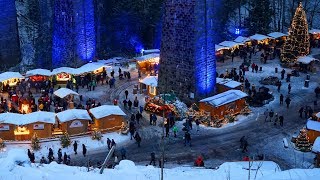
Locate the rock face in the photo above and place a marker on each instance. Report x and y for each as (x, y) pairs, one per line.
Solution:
(9, 39)
(187, 61)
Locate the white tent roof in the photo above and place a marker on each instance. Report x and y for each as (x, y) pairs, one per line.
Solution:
(72, 114)
(42, 72)
(229, 44)
(150, 81)
(63, 92)
(9, 75)
(146, 57)
(90, 67)
(39, 116)
(11, 118)
(241, 39)
(276, 35)
(306, 59)
(228, 82)
(63, 70)
(106, 110)
(313, 125)
(314, 31)
(316, 145)
(148, 51)
(225, 98)
(218, 47)
(259, 37)
(318, 115)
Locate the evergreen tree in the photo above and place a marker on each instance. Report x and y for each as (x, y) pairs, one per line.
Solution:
(65, 140)
(297, 43)
(302, 141)
(259, 17)
(35, 143)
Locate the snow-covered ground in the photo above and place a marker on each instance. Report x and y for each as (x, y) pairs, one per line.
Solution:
(17, 166)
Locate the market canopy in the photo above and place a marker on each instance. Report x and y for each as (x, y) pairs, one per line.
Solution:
(225, 98)
(41, 72)
(276, 35)
(228, 82)
(229, 44)
(218, 47)
(39, 116)
(63, 92)
(150, 81)
(63, 70)
(154, 56)
(11, 118)
(306, 59)
(73, 114)
(314, 31)
(106, 110)
(10, 75)
(241, 39)
(90, 67)
(259, 37)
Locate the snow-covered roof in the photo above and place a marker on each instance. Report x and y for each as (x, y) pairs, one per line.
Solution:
(306, 59)
(11, 118)
(42, 72)
(225, 98)
(106, 110)
(314, 31)
(111, 61)
(229, 44)
(89, 67)
(147, 57)
(241, 39)
(150, 81)
(313, 125)
(72, 114)
(259, 37)
(218, 47)
(316, 145)
(63, 92)
(148, 51)
(228, 82)
(63, 70)
(276, 35)
(10, 75)
(39, 116)
(318, 115)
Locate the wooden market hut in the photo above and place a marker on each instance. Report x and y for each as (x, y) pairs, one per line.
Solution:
(63, 74)
(243, 40)
(227, 103)
(260, 39)
(73, 121)
(148, 63)
(149, 85)
(313, 128)
(224, 85)
(231, 46)
(108, 117)
(10, 127)
(38, 75)
(306, 63)
(9, 79)
(66, 93)
(40, 122)
(278, 38)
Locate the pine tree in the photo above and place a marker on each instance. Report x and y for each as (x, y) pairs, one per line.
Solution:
(302, 141)
(35, 143)
(259, 17)
(65, 140)
(297, 43)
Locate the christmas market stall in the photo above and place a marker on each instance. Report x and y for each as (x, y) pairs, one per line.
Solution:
(94, 68)
(65, 94)
(231, 46)
(243, 40)
(38, 75)
(148, 85)
(260, 39)
(73, 121)
(25, 105)
(10, 126)
(220, 51)
(231, 102)
(306, 63)
(40, 122)
(157, 106)
(62, 75)
(224, 85)
(150, 51)
(148, 63)
(313, 128)
(278, 38)
(315, 38)
(10, 79)
(108, 117)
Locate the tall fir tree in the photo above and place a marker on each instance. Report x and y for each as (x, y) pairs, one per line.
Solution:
(259, 17)
(298, 42)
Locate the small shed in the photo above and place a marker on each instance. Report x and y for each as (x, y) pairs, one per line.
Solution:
(73, 121)
(313, 128)
(10, 126)
(224, 85)
(10, 78)
(38, 75)
(149, 85)
(306, 63)
(40, 122)
(226, 103)
(108, 117)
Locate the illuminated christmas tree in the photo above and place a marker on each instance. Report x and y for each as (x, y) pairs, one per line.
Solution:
(297, 43)
(302, 141)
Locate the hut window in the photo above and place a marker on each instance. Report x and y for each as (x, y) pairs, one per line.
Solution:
(21, 131)
(152, 90)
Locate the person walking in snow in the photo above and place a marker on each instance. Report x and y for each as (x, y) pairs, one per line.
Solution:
(113, 143)
(153, 159)
(129, 104)
(187, 138)
(65, 158)
(288, 100)
(123, 153)
(276, 118)
(50, 155)
(281, 120)
(283, 72)
(59, 156)
(75, 147)
(137, 137)
(281, 99)
(279, 85)
(84, 150)
(175, 130)
(266, 115)
(126, 92)
(289, 88)
(109, 143)
(271, 113)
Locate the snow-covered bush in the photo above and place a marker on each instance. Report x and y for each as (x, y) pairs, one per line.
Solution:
(96, 135)
(65, 140)
(35, 143)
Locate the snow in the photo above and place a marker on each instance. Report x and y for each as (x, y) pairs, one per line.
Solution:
(314, 31)
(316, 145)
(306, 59)
(230, 44)
(10, 75)
(63, 70)
(313, 125)
(294, 174)
(72, 114)
(218, 47)
(150, 81)
(42, 72)
(90, 67)
(228, 82)
(318, 115)
(259, 37)
(11, 118)
(63, 92)
(106, 110)
(241, 39)
(148, 51)
(276, 35)
(225, 97)
(147, 57)
(39, 116)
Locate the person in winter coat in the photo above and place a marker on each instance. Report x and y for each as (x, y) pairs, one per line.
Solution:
(65, 158)
(50, 155)
(288, 100)
(151, 118)
(198, 124)
(175, 130)
(271, 113)
(154, 119)
(29, 154)
(283, 72)
(43, 160)
(113, 143)
(266, 114)
(109, 143)
(167, 126)
(125, 103)
(126, 92)
(84, 150)
(281, 99)
(136, 103)
(133, 117)
(129, 104)
(137, 137)
(59, 156)
(153, 159)
(289, 88)
(187, 138)
(32, 158)
(199, 162)
(138, 117)
(123, 153)
(281, 120)
(276, 118)
(75, 147)
(245, 146)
